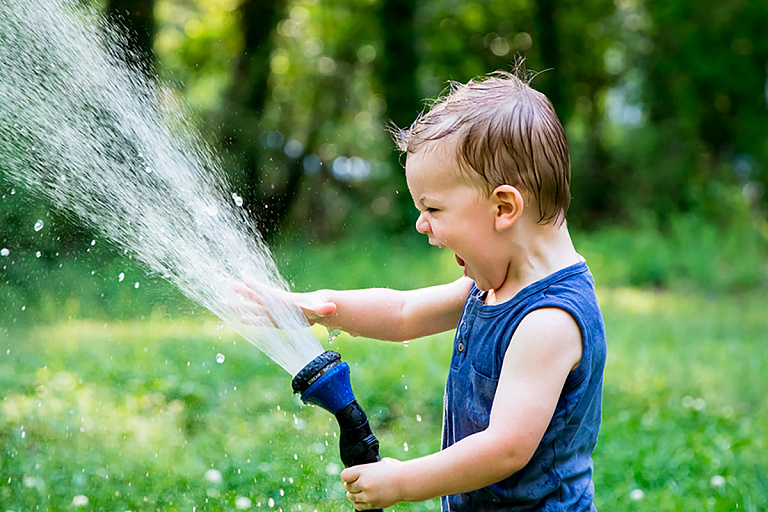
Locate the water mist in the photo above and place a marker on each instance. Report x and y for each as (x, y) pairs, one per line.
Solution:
(97, 139)
(93, 136)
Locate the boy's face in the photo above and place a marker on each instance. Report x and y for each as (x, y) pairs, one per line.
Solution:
(456, 214)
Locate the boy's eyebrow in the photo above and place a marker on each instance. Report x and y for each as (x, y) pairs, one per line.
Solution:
(424, 197)
(419, 203)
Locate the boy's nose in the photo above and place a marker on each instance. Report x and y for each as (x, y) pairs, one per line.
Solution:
(422, 225)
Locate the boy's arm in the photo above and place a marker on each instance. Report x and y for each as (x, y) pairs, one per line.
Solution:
(544, 349)
(379, 313)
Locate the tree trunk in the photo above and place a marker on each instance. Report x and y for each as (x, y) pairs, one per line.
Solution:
(244, 108)
(550, 55)
(397, 77)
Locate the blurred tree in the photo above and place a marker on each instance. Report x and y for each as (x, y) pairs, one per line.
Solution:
(702, 73)
(243, 107)
(298, 92)
(577, 85)
(328, 99)
(395, 73)
(396, 69)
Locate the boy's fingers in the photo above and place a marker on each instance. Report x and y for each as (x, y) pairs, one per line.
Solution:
(349, 475)
(248, 307)
(252, 283)
(325, 309)
(245, 291)
(256, 321)
(358, 502)
(263, 289)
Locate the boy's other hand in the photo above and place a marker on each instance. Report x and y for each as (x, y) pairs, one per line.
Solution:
(258, 296)
(374, 485)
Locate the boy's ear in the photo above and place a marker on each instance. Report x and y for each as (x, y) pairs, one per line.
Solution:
(508, 203)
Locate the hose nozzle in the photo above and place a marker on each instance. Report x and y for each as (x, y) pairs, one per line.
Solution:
(325, 382)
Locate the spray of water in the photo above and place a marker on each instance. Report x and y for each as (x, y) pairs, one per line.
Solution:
(91, 134)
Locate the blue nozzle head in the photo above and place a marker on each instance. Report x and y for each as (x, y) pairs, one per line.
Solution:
(325, 382)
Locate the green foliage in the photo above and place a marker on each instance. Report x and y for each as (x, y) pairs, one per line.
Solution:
(687, 252)
(659, 112)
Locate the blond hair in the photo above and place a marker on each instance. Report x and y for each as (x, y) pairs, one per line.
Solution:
(506, 132)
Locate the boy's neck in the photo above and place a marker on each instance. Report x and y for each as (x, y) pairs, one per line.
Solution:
(535, 252)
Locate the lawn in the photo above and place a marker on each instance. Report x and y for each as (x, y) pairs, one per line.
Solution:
(165, 414)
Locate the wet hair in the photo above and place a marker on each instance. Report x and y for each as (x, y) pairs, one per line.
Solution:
(506, 133)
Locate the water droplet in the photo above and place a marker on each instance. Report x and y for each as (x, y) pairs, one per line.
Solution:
(405, 343)
(120, 277)
(38, 254)
(136, 284)
(213, 476)
(418, 418)
(93, 242)
(636, 495)
(271, 503)
(333, 334)
(148, 170)
(39, 225)
(4, 252)
(13, 191)
(405, 447)
(242, 503)
(238, 200)
(220, 358)
(717, 481)
(80, 500)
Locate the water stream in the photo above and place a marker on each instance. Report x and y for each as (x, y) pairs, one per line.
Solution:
(90, 134)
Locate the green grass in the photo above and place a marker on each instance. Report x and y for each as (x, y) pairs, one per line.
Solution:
(132, 414)
(685, 415)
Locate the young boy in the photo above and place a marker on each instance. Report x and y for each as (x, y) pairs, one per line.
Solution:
(488, 169)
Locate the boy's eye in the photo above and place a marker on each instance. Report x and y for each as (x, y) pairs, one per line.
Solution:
(430, 210)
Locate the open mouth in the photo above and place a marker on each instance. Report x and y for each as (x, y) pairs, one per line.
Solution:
(461, 263)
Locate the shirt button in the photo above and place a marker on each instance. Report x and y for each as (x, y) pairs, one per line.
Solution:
(461, 347)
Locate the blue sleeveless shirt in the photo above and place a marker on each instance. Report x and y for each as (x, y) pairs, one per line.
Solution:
(559, 475)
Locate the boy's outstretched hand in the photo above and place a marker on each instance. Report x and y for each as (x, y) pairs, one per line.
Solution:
(312, 304)
(374, 485)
